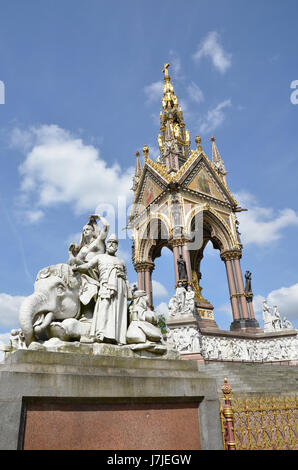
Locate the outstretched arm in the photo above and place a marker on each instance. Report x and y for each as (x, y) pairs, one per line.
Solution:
(106, 226)
(83, 268)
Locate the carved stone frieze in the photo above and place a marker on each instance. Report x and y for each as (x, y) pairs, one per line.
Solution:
(252, 350)
(185, 339)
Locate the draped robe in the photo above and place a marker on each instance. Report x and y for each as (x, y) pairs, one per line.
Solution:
(110, 313)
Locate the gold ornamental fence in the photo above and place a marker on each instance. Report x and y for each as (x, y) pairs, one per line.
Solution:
(258, 421)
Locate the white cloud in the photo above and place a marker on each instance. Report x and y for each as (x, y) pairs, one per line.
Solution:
(211, 47)
(215, 117)
(195, 92)
(9, 310)
(154, 91)
(34, 216)
(158, 289)
(60, 168)
(258, 303)
(162, 309)
(286, 299)
(262, 225)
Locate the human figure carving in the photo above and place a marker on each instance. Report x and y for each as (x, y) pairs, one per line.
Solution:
(143, 332)
(109, 322)
(248, 288)
(182, 273)
(287, 324)
(190, 300)
(173, 306)
(92, 241)
(180, 295)
(267, 317)
(276, 320)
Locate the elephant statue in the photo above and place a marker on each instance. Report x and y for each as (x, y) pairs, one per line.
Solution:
(60, 297)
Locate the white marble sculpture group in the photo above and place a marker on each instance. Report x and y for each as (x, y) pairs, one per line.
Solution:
(183, 302)
(273, 322)
(86, 300)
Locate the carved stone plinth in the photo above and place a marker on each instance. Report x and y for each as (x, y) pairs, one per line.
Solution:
(184, 335)
(205, 314)
(47, 396)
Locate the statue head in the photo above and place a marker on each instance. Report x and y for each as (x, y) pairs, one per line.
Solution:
(140, 296)
(112, 244)
(88, 234)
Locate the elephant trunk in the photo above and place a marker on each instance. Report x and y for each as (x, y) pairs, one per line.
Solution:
(30, 307)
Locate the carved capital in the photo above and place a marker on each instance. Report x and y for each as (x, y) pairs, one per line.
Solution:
(143, 266)
(179, 241)
(176, 242)
(228, 255)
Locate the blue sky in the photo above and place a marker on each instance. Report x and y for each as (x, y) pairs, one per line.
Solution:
(82, 94)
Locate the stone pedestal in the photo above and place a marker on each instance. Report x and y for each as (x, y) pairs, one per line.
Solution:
(205, 314)
(184, 335)
(55, 400)
(246, 324)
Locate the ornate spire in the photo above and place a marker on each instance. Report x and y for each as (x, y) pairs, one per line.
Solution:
(171, 150)
(138, 170)
(217, 161)
(173, 114)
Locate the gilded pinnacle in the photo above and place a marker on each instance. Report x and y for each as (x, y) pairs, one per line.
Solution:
(146, 151)
(198, 142)
(212, 139)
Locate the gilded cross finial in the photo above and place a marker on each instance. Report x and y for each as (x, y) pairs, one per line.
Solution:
(165, 70)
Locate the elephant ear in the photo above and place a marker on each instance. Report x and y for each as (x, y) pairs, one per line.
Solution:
(88, 290)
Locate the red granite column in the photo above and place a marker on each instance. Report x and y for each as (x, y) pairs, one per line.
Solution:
(186, 257)
(232, 289)
(241, 288)
(139, 267)
(251, 311)
(140, 280)
(176, 256)
(148, 285)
